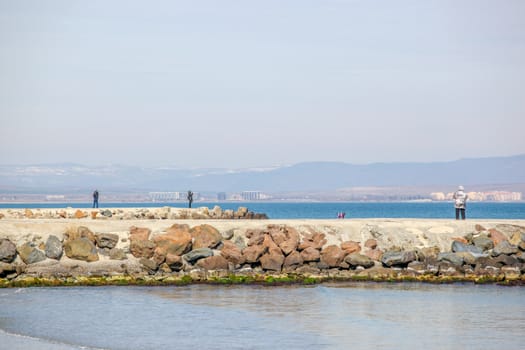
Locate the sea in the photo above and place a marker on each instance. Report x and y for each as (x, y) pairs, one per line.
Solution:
(356, 315)
(323, 210)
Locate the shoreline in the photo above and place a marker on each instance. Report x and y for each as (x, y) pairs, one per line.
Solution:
(156, 249)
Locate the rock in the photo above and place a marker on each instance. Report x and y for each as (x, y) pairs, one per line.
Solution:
(509, 230)
(94, 214)
(175, 262)
(30, 254)
(255, 237)
(402, 258)
(176, 240)
(117, 254)
(479, 228)
(252, 253)
(216, 262)
(356, 259)
(241, 212)
(53, 247)
(428, 253)
(453, 258)
(106, 212)
(287, 238)
(81, 249)
(216, 212)
(332, 255)
(351, 247)
(374, 254)
(460, 240)
(293, 260)
(106, 240)
(371, 243)
(150, 265)
(315, 240)
(517, 238)
(7, 250)
(79, 214)
(79, 232)
(496, 236)
(231, 252)
(504, 247)
(505, 260)
(512, 273)
(139, 233)
(29, 214)
(310, 254)
(197, 254)
(205, 236)
(142, 249)
(6, 268)
(272, 260)
(227, 235)
(458, 247)
(483, 242)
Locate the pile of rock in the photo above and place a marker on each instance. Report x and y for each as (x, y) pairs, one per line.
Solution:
(133, 213)
(497, 253)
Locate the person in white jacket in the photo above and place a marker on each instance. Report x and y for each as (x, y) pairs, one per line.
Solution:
(460, 202)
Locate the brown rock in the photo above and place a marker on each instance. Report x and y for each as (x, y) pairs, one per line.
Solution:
(216, 262)
(315, 240)
(496, 236)
(7, 251)
(79, 214)
(117, 254)
(205, 236)
(371, 243)
(176, 240)
(293, 260)
(231, 252)
(272, 260)
(332, 256)
(106, 240)
(62, 214)
(81, 249)
(94, 214)
(291, 240)
(479, 228)
(255, 237)
(139, 233)
(374, 254)
(351, 247)
(252, 253)
(516, 238)
(150, 265)
(142, 249)
(29, 213)
(310, 254)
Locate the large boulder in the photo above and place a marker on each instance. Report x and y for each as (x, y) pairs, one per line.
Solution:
(310, 254)
(216, 262)
(273, 259)
(504, 247)
(356, 259)
(483, 242)
(139, 233)
(174, 262)
(79, 232)
(315, 240)
(53, 247)
(496, 236)
(374, 254)
(7, 251)
(117, 254)
(81, 249)
(197, 254)
(142, 249)
(176, 240)
(287, 238)
(106, 240)
(252, 253)
(231, 252)
(455, 259)
(293, 260)
(402, 258)
(351, 247)
(205, 236)
(30, 254)
(458, 247)
(332, 256)
(255, 237)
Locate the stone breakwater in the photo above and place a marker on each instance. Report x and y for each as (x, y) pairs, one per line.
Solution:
(164, 213)
(86, 251)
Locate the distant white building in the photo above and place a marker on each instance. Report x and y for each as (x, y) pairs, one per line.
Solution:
(251, 195)
(171, 196)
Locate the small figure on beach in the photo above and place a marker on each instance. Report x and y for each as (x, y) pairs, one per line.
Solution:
(460, 202)
(341, 215)
(190, 198)
(95, 199)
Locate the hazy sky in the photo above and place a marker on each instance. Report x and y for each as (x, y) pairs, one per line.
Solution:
(259, 83)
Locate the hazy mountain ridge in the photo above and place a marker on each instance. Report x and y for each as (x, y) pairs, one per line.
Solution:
(308, 176)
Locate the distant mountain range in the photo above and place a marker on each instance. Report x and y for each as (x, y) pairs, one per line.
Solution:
(310, 176)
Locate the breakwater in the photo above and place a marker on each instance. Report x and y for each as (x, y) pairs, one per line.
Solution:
(100, 249)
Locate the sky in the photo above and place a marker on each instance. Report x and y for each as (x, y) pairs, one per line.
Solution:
(236, 84)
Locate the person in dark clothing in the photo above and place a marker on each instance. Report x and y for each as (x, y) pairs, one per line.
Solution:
(190, 198)
(95, 199)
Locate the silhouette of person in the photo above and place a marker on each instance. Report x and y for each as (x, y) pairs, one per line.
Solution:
(95, 199)
(190, 198)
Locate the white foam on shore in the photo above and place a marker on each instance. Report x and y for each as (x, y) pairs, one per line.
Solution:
(13, 341)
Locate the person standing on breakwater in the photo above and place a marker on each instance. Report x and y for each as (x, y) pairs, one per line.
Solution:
(95, 199)
(460, 202)
(190, 198)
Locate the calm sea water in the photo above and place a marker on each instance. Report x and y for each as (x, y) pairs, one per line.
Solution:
(430, 210)
(338, 316)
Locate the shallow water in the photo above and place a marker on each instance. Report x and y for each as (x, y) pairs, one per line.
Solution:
(330, 316)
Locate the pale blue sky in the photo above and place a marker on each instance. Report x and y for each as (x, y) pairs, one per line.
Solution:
(260, 83)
